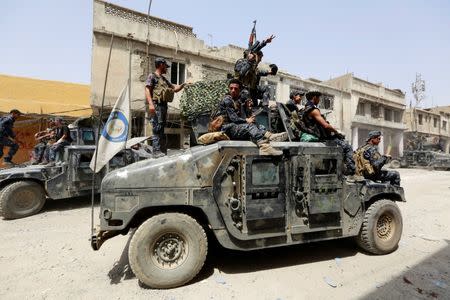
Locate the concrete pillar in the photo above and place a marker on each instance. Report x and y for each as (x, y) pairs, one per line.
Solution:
(354, 140)
(381, 146)
(400, 145)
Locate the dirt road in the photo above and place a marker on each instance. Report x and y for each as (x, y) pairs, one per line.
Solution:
(48, 256)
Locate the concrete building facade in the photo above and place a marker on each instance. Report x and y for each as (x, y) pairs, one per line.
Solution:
(373, 107)
(357, 106)
(431, 125)
(191, 60)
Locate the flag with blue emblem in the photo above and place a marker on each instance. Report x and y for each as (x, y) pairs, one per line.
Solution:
(115, 132)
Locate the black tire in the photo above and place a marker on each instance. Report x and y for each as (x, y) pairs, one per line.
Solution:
(394, 164)
(382, 227)
(21, 199)
(168, 250)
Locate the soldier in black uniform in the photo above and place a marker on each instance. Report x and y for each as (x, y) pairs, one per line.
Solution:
(7, 136)
(372, 162)
(247, 72)
(158, 92)
(237, 127)
(295, 98)
(316, 124)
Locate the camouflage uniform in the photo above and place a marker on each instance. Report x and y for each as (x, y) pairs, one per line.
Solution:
(314, 128)
(6, 133)
(247, 72)
(377, 161)
(235, 126)
(159, 120)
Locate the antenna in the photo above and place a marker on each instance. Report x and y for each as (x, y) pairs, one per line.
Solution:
(418, 89)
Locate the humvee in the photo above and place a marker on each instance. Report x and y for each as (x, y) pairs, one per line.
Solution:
(245, 200)
(25, 188)
(425, 158)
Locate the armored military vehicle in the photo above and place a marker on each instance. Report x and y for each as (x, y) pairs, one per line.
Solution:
(245, 200)
(25, 188)
(425, 159)
(424, 152)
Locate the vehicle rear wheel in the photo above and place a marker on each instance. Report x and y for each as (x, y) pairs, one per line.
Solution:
(21, 199)
(394, 164)
(382, 227)
(168, 250)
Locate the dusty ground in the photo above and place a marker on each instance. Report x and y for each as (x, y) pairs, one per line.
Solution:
(48, 256)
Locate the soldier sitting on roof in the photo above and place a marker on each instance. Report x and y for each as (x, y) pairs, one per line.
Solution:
(40, 150)
(229, 121)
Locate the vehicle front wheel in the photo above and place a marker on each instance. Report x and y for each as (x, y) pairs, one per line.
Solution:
(21, 199)
(382, 227)
(168, 250)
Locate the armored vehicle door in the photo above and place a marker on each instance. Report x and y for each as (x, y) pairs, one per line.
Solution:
(265, 198)
(316, 188)
(80, 174)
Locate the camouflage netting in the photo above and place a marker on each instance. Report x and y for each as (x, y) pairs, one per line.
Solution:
(202, 97)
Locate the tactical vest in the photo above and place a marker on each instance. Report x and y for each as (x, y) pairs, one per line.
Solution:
(250, 79)
(363, 166)
(163, 92)
(310, 125)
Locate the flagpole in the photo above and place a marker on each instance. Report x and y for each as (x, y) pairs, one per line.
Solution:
(129, 92)
(146, 115)
(98, 137)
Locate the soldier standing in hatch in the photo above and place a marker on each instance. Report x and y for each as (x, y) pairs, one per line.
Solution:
(7, 136)
(246, 71)
(370, 161)
(316, 124)
(295, 98)
(158, 92)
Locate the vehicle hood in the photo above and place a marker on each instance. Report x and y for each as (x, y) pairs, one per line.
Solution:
(190, 168)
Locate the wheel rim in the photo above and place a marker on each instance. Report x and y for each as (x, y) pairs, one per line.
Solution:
(386, 227)
(169, 251)
(24, 200)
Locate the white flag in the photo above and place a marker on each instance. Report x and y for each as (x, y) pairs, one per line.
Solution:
(115, 133)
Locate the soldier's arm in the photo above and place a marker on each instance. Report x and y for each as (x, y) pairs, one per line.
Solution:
(318, 117)
(369, 154)
(148, 96)
(178, 87)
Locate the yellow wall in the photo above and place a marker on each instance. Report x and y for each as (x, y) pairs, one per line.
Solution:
(34, 96)
(39, 100)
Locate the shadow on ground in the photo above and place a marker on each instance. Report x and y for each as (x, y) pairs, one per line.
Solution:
(70, 203)
(429, 279)
(233, 262)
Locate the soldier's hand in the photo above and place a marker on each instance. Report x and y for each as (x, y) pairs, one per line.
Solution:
(250, 119)
(270, 38)
(152, 110)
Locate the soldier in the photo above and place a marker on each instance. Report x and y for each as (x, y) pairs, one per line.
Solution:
(316, 124)
(63, 139)
(246, 70)
(369, 161)
(238, 128)
(295, 99)
(7, 136)
(43, 137)
(158, 92)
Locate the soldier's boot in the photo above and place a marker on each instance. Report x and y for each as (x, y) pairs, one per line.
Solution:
(276, 137)
(266, 149)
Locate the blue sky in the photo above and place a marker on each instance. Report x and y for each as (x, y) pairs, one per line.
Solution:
(380, 41)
